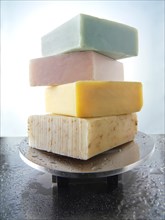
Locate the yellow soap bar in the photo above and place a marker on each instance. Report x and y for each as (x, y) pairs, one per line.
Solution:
(80, 138)
(94, 98)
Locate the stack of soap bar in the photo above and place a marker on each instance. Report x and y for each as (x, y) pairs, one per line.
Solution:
(94, 98)
(80, 138)
(72, 67)
(85, 81)
(85, 32)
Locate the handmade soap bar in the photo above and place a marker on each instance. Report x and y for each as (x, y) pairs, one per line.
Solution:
(75, 66)
(85, 32)
(94, 98)
(79, 137)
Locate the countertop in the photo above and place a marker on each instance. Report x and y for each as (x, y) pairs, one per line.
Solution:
(30, 194)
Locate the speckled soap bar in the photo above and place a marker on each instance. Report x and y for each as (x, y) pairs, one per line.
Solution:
(85, 32)
(72, 67)
(80, 138)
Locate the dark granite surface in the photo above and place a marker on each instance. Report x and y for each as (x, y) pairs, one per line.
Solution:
(29, 194)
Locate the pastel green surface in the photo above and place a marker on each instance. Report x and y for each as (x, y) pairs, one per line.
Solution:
(85, 32)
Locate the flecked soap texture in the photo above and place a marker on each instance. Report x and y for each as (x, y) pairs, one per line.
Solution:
(85, 32)
(80, 138)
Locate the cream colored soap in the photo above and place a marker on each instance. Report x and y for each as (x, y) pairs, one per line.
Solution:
(80, 138)
(94, 98)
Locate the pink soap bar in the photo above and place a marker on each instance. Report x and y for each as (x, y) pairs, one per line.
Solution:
(74, 66)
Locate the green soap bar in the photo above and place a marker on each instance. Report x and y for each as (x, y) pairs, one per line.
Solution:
(84, 32)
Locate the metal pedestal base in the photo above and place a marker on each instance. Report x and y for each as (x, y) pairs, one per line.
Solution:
(112, 181)
(106, 166)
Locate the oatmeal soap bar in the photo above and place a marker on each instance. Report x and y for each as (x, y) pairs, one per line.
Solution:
(94, 98)
(85, 32)
(75, 66)
(80, 138)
